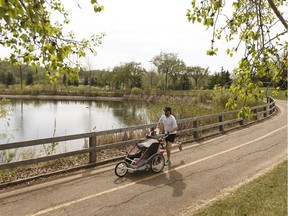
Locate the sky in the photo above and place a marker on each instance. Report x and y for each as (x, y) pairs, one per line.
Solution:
(138, 30)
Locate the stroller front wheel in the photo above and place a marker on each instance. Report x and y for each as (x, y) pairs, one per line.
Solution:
(121, 169)
(158, 163)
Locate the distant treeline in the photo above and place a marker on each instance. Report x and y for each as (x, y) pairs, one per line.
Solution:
(169, 73)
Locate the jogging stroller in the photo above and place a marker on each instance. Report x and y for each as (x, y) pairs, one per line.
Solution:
(146, 153)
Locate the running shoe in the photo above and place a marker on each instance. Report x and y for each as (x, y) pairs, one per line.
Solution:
(180, 146)
(168, 163)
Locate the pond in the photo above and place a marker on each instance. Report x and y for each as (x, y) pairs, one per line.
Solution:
(35, 119)
(38, 119)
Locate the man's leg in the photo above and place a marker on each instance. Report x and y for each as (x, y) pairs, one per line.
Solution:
(168, 151)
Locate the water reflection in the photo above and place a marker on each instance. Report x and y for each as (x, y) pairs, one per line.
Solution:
(35, 119)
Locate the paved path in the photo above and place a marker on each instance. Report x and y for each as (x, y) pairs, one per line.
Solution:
(199, 173)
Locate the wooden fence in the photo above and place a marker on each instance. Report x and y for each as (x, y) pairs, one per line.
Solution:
(193, 128)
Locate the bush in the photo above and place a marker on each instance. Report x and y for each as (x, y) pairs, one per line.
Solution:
(221, 97)
(136, 91)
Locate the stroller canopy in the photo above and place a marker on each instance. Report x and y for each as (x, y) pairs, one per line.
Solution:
(147, 143)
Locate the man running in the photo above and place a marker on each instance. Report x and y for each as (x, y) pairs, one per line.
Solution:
(170, 128)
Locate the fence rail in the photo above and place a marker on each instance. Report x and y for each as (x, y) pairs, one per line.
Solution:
(198, 126)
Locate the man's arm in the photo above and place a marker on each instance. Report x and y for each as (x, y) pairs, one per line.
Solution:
(159, 122)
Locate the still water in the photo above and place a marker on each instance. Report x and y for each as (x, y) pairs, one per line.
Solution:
(35, 119)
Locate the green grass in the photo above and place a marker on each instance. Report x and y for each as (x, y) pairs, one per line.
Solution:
(264, 196)
(280, 95)
(82, 90)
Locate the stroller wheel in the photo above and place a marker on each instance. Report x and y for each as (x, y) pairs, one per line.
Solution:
(158, 163)
(121, 169)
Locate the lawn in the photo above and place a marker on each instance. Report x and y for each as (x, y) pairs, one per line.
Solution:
(264, 196)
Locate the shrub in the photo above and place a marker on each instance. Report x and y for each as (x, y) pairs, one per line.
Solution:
(136, 91)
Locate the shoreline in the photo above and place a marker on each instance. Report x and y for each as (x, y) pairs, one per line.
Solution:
(61, 97)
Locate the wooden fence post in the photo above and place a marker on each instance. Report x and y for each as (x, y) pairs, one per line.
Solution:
(269, 101)
(242, 122)
(265, 112)
(255, 111)
(92, 155)
(196, 125)
(221, 119)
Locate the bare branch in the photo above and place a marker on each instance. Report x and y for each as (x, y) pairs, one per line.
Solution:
(278, 14)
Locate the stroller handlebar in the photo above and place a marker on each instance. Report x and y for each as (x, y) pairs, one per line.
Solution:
(158, 137)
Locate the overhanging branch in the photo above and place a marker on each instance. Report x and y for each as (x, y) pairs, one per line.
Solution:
(278, 14)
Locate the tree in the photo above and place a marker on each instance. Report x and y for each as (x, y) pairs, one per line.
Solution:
(27, 29)
(282, 82)
(135, 72)
(152, 79)
(177, 71)
(185, 83)
(119, 78)
(252, 23)
(10, 79)
(29, 78)
(128, 75)
(102, 78)
(86, 81)
(89, 67)
(169, 65)
(4, 67)
(64, 80)
(213, 81)
(21, 70)
(220, 79)
(198, 74)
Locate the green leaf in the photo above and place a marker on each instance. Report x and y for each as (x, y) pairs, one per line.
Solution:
(30, 48)
(7, 19)
(2, 12)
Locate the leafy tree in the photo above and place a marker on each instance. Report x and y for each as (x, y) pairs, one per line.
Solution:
(10, 79)
(89, 66)
(103, 78)
(21, 70)
(177, 71)
(220, 79)
(152, 79)
(93, 81)
(27, 29)
(252, 23)
(3, 70)
(135, 71)
(185, 83)
(29, 78)
(86, 81)
(73, 82)
(169, 65)
(198, 74)
(225, 80)
(119, 77)
(64, 81)
(282, 82)
(213, 81)
(128, 75)
(2, 77)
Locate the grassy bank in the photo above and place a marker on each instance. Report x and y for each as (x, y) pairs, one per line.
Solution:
(82, 90)
(264, 196)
